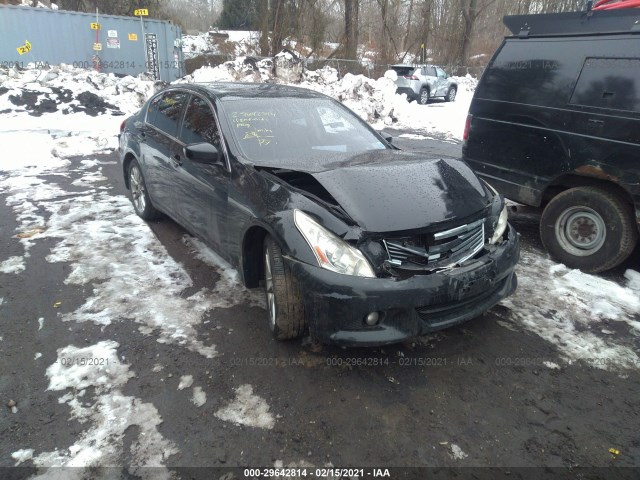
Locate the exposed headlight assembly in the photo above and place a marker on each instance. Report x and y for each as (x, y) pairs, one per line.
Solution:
(501, 226)
(332, 252)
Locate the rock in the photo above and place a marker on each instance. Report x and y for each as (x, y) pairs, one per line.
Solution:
(49, 77)
(11, 403)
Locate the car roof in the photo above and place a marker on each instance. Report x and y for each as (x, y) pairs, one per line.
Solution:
(238, 90)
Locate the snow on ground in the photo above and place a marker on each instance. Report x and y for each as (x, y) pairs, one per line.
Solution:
(185, 382)
(578, 312)
(199, 397)
(247, 409)
(22, 455)
(229, 288)
(12, 265)
(457, 453)
(106, 414)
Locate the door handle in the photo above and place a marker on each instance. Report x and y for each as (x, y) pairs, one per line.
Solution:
(596, 123)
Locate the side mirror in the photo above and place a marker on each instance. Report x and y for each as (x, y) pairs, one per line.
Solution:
(202, 153)
(389, 139)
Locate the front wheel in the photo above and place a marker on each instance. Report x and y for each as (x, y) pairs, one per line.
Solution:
(284, 298)
(451, 94)
(588, 228)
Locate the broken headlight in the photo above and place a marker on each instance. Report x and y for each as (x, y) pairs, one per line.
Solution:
(332, 252)
(501, 226)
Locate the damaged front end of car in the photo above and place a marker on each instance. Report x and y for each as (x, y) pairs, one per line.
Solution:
(369, 287)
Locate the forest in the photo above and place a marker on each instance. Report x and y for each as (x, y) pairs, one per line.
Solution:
(449, 32)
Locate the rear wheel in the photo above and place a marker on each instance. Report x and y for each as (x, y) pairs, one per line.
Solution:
(588, 228)
(139, 195)
(284, 298)
(424, 96)
(451, 94)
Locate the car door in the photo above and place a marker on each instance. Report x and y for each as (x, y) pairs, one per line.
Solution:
(441, 89)
(159, 145)
(431, 79)
(202, 187)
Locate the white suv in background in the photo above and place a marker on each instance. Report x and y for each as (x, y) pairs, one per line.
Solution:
(423, 82)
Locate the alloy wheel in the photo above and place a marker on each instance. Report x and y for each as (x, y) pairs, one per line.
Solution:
(137, 189)
(269, 287)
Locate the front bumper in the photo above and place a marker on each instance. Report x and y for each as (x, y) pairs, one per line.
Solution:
(336, 305)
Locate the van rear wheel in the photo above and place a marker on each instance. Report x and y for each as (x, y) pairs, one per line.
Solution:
(589, 228)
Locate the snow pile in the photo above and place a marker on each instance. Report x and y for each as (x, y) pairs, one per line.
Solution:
(75, 93)
(237, 43)
(373, 100)
(69, 90)
(587, 317)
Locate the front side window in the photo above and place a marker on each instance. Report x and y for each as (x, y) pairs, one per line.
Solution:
(199, 124)
(612, 83)
(431, 71)
(165, 110)
(441, 73)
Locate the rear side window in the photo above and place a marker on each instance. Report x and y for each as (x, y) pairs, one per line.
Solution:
(431, 71)
(534, 72)
(612, 83)
(165, 110)
(199, 124)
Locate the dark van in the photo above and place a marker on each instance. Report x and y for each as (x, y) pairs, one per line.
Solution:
(555, 122)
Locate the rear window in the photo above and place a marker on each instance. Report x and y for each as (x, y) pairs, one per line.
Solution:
(612, 83)
(404, 71)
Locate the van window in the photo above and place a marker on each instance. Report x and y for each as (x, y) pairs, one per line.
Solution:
(533, 72)
(612, 83)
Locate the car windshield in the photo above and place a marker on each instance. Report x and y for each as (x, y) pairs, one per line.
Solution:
(404, 71)
(273, 129)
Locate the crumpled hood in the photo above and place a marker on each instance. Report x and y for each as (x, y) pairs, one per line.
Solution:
(387, 190)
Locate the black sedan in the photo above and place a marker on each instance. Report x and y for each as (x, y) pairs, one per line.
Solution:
(353, 240)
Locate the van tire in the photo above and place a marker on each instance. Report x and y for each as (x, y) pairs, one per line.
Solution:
(424, 96)
(285, 305)
(584, 219)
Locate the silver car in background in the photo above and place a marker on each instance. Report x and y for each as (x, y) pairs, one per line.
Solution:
(424, 82)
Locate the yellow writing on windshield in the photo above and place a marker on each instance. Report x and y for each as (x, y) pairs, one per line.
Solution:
(251, 121)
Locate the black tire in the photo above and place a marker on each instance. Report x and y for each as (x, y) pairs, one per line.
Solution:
(571, 226)
(424, 96)
(451, 94)
(287, 319)
(139, 195)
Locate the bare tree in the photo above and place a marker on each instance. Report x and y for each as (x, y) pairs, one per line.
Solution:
(351, 8)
